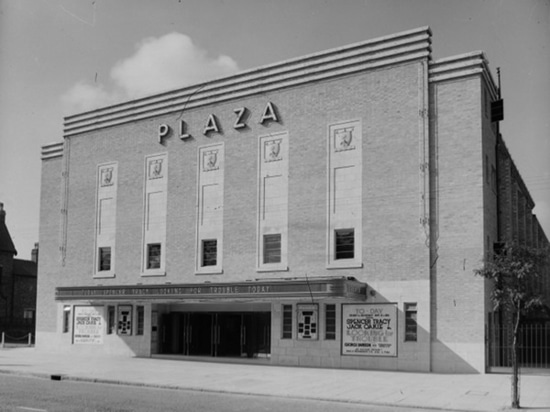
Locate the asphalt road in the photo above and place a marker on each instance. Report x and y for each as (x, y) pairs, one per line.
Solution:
(29, 394)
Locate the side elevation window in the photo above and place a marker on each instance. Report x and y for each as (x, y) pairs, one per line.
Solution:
(209, 252)
(272, 248)
(66, 318)
(140, 320)
(330, 322)
(411, 329)
(104, 259)
(287, 322)
(111, 320)
(153, 256)
(344, 244)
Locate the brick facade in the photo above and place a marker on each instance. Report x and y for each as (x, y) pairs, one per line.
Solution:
(425, 211)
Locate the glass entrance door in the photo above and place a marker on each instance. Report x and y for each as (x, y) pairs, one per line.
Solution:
(218, 334)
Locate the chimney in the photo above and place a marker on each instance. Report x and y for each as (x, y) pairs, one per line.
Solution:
(34, 253)
(2, 213)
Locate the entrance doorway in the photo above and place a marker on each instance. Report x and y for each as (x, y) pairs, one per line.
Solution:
(218, 334)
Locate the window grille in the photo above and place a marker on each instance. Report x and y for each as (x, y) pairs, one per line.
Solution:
(153, 256)
(345, 244)
(104, 259)
(287, 322)
(272, 248)
(209, 252)
(330, 322)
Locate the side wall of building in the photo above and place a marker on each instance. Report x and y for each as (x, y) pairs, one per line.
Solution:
(47, 315)
(458, 226)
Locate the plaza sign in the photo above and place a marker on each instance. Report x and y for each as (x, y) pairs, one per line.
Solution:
(212, 124)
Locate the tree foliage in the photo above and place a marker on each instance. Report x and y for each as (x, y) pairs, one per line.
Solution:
(515, 271)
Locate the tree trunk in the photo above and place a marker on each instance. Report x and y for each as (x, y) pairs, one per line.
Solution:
(515, 364)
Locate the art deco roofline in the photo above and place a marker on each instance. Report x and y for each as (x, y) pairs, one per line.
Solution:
(463, 65)
(371, 54)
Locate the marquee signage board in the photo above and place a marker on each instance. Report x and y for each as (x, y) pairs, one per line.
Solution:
(369, 329)
(88, 325)
(328, 287)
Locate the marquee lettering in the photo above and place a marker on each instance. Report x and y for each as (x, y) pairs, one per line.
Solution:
(269, 114)
(212, 124)
(183, 134)
(238, 122)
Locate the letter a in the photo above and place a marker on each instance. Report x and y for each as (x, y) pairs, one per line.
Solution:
(269, 114)
(211, 125)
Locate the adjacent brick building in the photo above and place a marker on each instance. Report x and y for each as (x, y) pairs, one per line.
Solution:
(17, 287)
(324, 211)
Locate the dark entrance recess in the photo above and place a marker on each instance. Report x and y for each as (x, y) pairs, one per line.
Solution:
(221, 334)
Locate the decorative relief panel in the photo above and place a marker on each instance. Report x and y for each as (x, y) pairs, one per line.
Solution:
(272, 150)
(343, 139)
(155, 169)
(107, 177)
(210, 160)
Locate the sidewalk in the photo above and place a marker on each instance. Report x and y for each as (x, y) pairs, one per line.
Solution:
(453, 392)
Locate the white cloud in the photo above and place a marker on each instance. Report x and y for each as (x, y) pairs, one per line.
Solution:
(83, 96)
(158, 64)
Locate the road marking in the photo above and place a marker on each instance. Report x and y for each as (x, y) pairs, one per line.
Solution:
(24, 408)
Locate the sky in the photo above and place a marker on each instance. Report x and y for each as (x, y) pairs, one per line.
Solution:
(61, 57)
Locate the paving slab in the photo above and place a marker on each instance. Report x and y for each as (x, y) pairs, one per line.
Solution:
(464, 392)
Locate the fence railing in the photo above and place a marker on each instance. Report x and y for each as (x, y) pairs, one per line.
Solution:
(533, 346)
(25, 340)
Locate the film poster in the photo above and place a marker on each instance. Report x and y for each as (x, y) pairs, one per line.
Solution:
(369, 329)
(88, 325)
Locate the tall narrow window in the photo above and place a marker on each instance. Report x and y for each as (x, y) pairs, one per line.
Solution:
(111, 320)
(210, 196)
(272, 248)
(345, 205)
(153, 256)
(209, 252)
(66, 318)
(273, 163)
(106, 201)
(154, 215)
(104, 259)
(345, 244)
(330, 322)
(287, 322)
(487, 169)
(410, 322)
(140, 320)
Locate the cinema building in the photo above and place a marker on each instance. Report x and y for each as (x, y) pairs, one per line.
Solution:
(324, 211)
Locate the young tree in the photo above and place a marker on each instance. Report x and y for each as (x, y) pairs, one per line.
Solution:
(514, 271)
